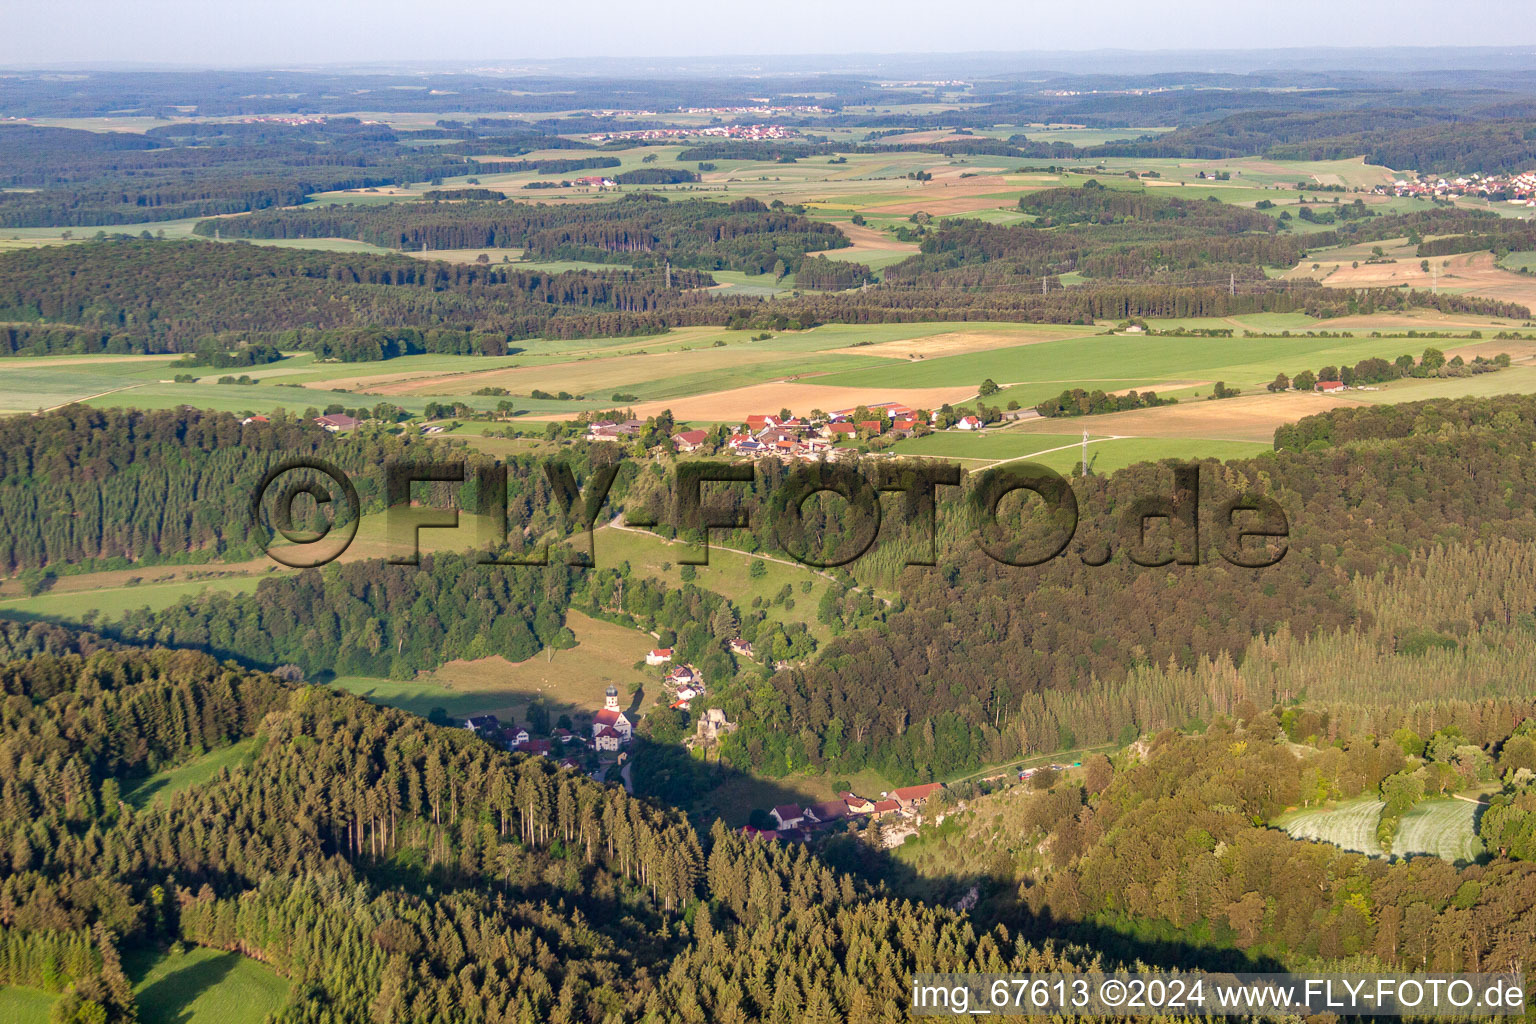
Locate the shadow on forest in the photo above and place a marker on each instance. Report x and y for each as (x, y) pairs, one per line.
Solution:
(669, 774)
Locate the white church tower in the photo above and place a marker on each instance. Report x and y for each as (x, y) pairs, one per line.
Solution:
(611, 699)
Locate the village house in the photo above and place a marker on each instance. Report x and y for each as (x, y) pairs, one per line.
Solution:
(689, 440)
(968, 423)
(482, 724)
(684, 675)
(658, 656)
(856, 804)
(883, 807)
(740, 647)
(338, 423)
(539, 747)
(828, 811)
(254, 419)
(910, 798)
(607, 740)
(516, 737)
(788, 816)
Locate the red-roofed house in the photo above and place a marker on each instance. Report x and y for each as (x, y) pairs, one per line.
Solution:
(873, 426)
(914, 796)
(540, 747)
(788, 816)
(658, 656)
(1328, 387)
(756, 423)
(841, 430)
(884, 807)
(968, 423)
(607, 739)
(689, 440)
(856, 804)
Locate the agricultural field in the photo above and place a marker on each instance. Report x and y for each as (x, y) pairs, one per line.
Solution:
(728, 572)
(1442, 828)
(1349, 825)
(568, 681)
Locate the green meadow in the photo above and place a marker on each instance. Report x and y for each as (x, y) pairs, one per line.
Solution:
(197, 986)
(1036, 372)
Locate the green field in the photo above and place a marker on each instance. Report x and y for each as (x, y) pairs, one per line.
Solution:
(1042, 370)
(112, 602)
(204, 986)
(24, 1005)
(1349, 825)
(726, 574)
(991, 445)
(163, 785)
(1443, 828)
(198, 986)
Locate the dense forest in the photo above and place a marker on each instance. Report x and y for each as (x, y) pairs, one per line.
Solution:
(1167, 841)
(638, 229)
(167, 295)
(70, 177)
(399, 871)
(1025, 656)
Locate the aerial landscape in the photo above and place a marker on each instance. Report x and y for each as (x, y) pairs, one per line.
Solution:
(549, 527)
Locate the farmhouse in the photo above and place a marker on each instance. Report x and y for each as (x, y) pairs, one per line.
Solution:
(1328, 387)
(607, 740)
(478, 724)
(658, 656)
(828, 811)
(911, 797)
(968, 423)
(788, 816)
(338, 423)
(689, 440)
(856, 804)
(740, 647)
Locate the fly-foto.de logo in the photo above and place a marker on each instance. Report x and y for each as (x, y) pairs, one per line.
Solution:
(1173, 526)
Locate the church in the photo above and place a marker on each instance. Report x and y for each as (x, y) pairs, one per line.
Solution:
(611, 728)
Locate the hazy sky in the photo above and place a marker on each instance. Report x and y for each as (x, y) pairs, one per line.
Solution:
(256, 32)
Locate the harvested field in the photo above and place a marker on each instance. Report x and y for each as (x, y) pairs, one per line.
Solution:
(942, 196)
(960, 342)
(1472, 273)
(734, 405)
(1246, 418)
(866, 240)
